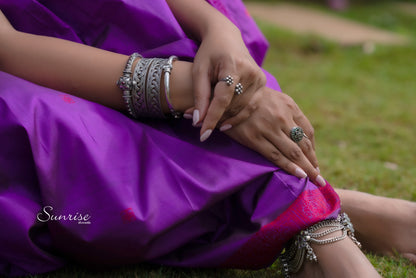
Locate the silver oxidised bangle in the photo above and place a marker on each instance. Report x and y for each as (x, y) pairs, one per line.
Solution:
(138, 92)
(126, 83)
(154, 74)
(141, 88)
(167, 68)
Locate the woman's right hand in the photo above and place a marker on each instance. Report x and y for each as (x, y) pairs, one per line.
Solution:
(222, 53)
(264, 125)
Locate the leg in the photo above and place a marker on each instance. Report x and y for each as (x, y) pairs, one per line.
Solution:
(344, 259)
(383, 225)
(337, 258)
(340, 259)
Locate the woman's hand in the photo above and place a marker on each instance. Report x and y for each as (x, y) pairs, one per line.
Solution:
(265, 124)
(222, 53)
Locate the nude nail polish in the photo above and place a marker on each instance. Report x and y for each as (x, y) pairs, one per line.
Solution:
(300, 173)
(195, 117)
(205, 135)
(187, 116)
(317, 169)
(225, 127)
(320, 180)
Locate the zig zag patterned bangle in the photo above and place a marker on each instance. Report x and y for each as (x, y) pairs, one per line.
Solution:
(154, 108)
(139, 97)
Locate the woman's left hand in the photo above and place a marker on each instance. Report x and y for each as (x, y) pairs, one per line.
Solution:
(265, 124)
(222, 53)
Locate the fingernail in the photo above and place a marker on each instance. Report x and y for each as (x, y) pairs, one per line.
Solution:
(300, 173)
(317, 169)
(320, 180)
(195, 117)
(225, 127)
(187, 116)
(205, 135)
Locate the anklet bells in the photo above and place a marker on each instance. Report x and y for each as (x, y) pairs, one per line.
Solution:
(294, 255)
(141, 86)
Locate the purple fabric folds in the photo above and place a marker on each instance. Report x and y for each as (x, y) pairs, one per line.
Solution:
(125, 191)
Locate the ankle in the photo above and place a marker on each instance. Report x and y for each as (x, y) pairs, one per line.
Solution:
(325, 233)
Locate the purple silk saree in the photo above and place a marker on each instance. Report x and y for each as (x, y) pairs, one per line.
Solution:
(79, 181)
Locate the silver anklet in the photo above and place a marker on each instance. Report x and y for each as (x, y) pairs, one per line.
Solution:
(293, 256)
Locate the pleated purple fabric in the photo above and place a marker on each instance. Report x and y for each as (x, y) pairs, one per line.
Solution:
(80, 181)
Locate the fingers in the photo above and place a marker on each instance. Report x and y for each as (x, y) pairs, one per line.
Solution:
(268, 150)
(202, 92)
(223, 102)
(307, 148)
(242, 116)
(306, 144)
(296, 154)
(298, 159)
(209, 111)
(223, 95)
(303, 122)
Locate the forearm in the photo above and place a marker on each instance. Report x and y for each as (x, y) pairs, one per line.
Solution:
(81, 70)
(198, 18)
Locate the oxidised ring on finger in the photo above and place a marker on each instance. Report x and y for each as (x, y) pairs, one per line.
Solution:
(297, 134)
(228, 80)
(238, 89)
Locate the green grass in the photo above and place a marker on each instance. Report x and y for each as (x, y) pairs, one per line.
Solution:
(361, 105)
(363, 108)
(153, 271)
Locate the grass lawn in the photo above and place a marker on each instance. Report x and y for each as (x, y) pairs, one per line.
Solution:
(361, 105)
(363, 108)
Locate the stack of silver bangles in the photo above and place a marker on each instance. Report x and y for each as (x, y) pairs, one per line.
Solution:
(293, 256)
(141, 87)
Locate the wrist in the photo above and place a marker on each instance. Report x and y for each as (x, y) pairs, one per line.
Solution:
(220, 25)
(156, 87)
(181, 95)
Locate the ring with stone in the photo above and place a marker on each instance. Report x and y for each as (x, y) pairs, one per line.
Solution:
(228, 80)
(297, 134)
(238, 89)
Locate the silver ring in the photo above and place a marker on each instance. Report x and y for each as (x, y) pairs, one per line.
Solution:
(238, 89)
(297, 134)
(228, 80)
